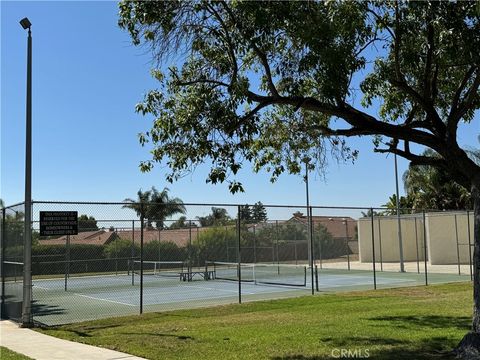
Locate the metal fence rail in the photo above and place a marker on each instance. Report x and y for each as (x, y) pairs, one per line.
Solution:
(134, 258)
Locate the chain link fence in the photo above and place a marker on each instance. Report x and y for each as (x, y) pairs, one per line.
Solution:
(130, 258)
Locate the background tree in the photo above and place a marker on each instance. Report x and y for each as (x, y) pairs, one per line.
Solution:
(162, 206)
(274, 83)
(245, 213)
(406, 205)
(259, 213)
(218, 216)
(139, 204)
(156, 206)
(87, 223)
(182, 223)
(370, 212)
(430, 188)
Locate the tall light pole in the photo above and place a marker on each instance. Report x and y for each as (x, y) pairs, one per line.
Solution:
(400, 245)
(27, 246)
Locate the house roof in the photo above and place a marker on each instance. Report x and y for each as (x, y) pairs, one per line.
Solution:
(337, 226)
(180, 237)
(98, 237)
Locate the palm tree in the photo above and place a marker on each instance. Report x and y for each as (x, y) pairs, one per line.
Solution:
(161, 206)
(138, 205)
(155, 206)
(405, 205)
(430, 188)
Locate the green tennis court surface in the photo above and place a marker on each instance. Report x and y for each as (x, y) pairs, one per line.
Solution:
(80, 298)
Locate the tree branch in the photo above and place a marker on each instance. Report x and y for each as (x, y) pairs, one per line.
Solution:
(427, 81)
(229, 43)
(261, 55)
(413, 158)
(460, 89)
(457, 113)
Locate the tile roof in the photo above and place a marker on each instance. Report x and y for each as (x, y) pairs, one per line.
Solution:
(97, 237)
(335, 224)
(180, 237)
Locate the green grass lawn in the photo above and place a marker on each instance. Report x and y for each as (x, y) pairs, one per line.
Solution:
(6, 354)
(404, 323)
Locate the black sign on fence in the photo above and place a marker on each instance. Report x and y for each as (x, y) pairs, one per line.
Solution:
(58, 223)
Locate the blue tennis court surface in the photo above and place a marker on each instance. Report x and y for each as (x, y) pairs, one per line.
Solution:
(95, 297)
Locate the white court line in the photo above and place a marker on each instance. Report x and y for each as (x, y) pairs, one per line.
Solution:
(41, 287)
(101, 299)
(207, 288)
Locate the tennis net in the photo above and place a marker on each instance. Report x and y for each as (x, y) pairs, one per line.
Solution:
(258, 273)
(160, 268)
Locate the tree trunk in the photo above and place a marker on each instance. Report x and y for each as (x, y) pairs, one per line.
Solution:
(469, 347)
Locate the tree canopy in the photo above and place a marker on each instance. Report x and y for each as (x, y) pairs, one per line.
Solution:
(274, 83)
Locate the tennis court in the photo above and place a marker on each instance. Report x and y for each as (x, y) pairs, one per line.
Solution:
(78, 298)
(97, 273)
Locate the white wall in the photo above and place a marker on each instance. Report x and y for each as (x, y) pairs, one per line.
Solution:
(441, 236)
(386, 238)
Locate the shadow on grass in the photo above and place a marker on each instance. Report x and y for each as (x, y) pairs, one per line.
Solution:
(392, 349)
(178, 337)
(86, 332)
(430, 321)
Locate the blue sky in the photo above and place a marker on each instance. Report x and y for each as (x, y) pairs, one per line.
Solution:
(87, 78)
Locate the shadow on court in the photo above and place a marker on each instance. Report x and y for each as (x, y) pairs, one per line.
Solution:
(39, 309)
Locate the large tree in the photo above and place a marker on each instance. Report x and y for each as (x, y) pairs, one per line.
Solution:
(276, 82)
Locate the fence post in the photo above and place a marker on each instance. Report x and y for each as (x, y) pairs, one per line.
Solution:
(309, 211)
(346, 243)
(239, 258)
(132, 252)
(469, 245)
(141, 257)
(276, 243)
(67, 261)
(3, 246)
(254, 244)
(116, 256)
(456, 240)
(425, 246)
(380, 243)
(226, 243)
(190, 262)
(27, 267)
(295, 244)
(159, 255)
(416, 245)
(373, 250)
